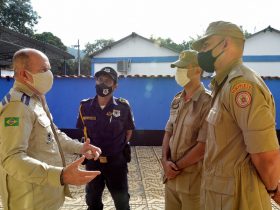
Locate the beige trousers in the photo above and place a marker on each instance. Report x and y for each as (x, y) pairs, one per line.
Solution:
(180, 201)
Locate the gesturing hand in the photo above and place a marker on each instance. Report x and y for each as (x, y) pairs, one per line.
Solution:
(75, 176)
(90, 151)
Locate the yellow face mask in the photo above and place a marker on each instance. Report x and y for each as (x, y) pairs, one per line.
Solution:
(181, 77)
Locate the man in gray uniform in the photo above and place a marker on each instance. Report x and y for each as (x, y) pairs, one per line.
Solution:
(33, 174)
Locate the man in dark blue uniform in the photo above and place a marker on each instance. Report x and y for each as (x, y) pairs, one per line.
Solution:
(108, 122)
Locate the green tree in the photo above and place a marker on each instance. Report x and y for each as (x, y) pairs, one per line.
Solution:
(18, 15)
(57, 65)
(49, 38)
(185, 45)
(97, 45)
(167, 43)
(246, 33)
(90, 48)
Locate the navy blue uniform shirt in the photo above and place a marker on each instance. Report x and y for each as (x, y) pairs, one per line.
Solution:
(106, 127)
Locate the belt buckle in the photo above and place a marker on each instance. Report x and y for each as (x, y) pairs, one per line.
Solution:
(103, 159)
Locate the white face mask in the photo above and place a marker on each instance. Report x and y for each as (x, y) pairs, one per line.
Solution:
(42, 82)
(181, 77)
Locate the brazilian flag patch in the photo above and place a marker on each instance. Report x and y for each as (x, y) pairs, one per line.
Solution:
(11, 121)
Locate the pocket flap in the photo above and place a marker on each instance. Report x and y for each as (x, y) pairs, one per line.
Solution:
(214, 116)
(222, 185)
(44, 120)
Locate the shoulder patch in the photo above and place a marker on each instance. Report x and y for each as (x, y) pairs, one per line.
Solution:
(85, 100)
(124, 101)
(178, 95)
(243, 99)
(241, 86)
(176, 100)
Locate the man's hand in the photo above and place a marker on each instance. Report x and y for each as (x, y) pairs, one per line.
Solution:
(90, 151)
(170, 169)
(74, 176)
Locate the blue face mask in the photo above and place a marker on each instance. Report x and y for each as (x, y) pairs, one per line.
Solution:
(206, 60)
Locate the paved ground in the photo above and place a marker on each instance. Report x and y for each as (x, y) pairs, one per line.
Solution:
(146, 189)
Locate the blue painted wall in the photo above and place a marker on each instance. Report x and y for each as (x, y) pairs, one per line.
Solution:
(149, 98)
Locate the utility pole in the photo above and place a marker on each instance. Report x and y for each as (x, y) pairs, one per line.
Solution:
(79, 58)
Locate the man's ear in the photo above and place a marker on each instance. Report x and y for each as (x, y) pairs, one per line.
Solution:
(226, 40)
(25, 76)
(197, 70)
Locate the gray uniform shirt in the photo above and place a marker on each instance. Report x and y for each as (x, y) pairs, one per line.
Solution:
(30, 162)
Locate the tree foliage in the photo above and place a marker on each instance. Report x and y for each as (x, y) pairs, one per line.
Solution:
(245, 32)
(90, 48)
(169, 43)
(97, 45)
(49, 38)
(18, 15)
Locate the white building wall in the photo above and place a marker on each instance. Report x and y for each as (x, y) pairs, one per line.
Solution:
(265, 68)
(264, 44)
(267, 43)
(136, 47)
(142, 68)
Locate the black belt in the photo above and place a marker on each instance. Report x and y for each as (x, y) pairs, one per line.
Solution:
(106, 159)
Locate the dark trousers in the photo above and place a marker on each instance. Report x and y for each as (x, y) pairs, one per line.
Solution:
(114, 175)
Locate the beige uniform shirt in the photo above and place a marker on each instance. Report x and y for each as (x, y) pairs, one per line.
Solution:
(30, 162)
(241, 122)
(188, 126)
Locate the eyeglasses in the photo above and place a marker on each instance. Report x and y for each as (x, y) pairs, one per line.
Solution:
(105, 80)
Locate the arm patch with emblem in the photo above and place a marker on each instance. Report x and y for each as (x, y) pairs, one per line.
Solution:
(242, 94)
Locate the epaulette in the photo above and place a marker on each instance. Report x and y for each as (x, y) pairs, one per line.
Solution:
(176, 100)
(178, 95)
(15, 95)
(86, 100)
(123, 101)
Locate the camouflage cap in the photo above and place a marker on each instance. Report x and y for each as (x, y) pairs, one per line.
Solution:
(186, 57)
(221, 28)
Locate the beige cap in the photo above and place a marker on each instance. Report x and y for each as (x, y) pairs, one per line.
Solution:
(221, 28)
(186, 57)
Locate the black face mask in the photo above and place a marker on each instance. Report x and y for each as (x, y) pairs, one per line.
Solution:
(103, 90)
(206, 60)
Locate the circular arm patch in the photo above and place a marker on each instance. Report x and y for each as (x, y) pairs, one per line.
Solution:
(243, 99)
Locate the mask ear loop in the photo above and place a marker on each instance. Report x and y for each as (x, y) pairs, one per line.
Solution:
(216, 57)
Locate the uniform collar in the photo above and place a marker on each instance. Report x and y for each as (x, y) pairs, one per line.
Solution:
(23, 88)
(219, 78)
(113, 100)
(196, 94)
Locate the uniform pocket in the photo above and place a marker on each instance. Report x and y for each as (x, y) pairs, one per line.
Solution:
(214, 116)
(221, 185)
(218, 193)
(44, 120)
